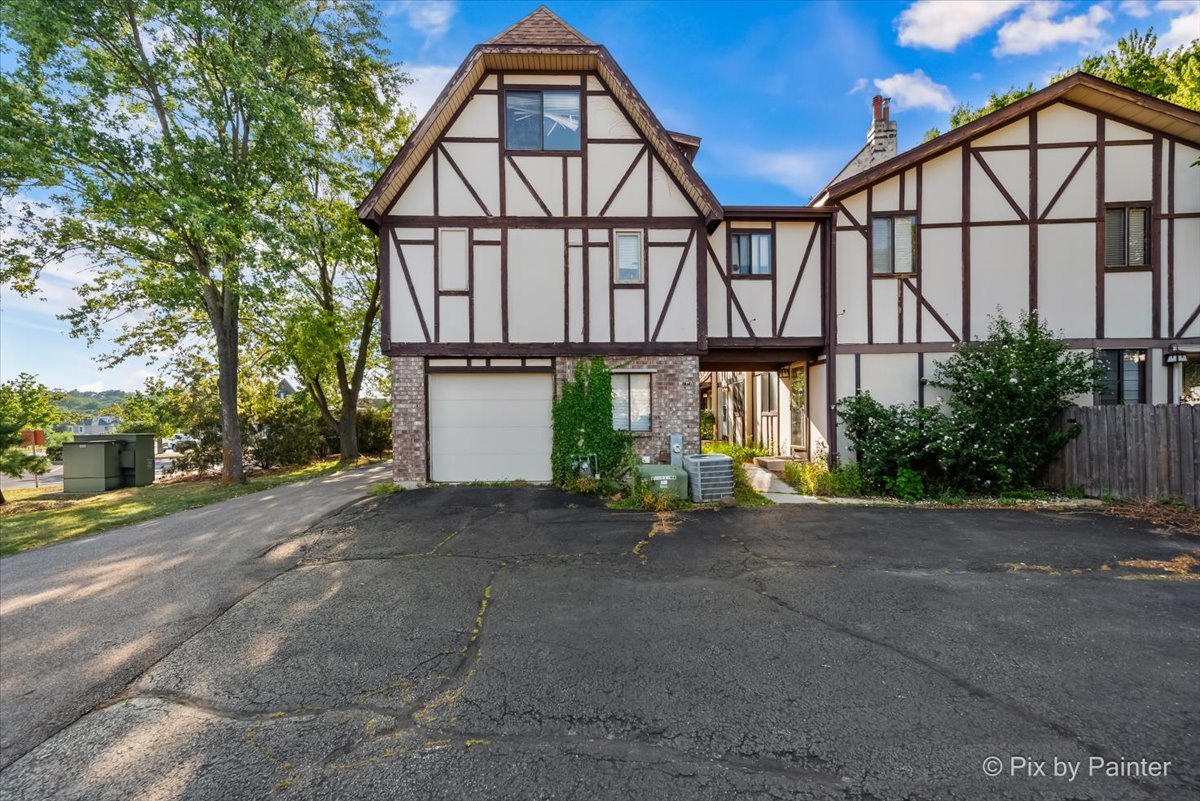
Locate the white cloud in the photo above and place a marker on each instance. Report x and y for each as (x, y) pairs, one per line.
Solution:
(944, 24)
(800, 171)
(915, 89)
(427, 83)
(1135, 8)
(859, 85)
(430, 18)
(1184, 28)
(95, 386)
(1037, 30)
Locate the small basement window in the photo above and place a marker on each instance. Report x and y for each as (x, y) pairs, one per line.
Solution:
(631, 401)
(1124, 378)
(541, 119)
(1127, 236)
(894, 244)
(629, 258)
(751, 254)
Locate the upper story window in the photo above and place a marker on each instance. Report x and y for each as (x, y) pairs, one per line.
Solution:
(894, 244)
(750, 253)
(1127, 236)
(631, 401)
(1124, 381)
(629, 258)
(541, 119)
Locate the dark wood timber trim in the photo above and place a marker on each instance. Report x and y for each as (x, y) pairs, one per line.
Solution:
(966, 240)
(437, 272)
(621, 183)
(674, 282)
(504, 284)
(1066, 182)
(412, 291)
(427, 242)
(858, 374)
(829, 279)
(533, 192)
(500, 150)
(471, 140)
(787, 310)
(1033, 213)
(612, 284)
(1156, 239)
(777, 213)
(774, 280)
(1171, 238)
(870, 269)
(454, 166)
(1100, 225)
(922, 302)
(585, 283)
(921, 380)
(385, 289)
(701, 241)
(471, 284)
(763, 343)
(566, 257)
(541, 349)
(731, 298)
(920, 245)
(454, 293)
(435, 369)
(566, 183)
(854, 223)
(505, 222)
(584, 142)
(987, 169)
(645, 288)
(1188, 322)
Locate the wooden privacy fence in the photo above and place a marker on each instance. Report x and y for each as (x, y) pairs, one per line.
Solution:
(1133, 452)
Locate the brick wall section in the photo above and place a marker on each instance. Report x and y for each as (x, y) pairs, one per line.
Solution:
(674, 399)
(408, 419)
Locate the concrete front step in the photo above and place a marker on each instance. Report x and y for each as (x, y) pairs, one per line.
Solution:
(773, 463)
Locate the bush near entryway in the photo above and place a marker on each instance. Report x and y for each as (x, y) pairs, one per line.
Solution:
(998, 430)
(583, 426)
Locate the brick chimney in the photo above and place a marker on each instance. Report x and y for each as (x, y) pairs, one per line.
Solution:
(881, 141)
(881, 136)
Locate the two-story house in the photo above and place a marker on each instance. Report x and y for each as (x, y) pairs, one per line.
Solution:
(540, 213)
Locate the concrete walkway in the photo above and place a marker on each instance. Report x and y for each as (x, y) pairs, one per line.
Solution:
(774, 488)
(80, 620)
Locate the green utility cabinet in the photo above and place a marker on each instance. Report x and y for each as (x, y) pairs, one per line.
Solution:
(93, 465)
(665, 478)
(135, 457)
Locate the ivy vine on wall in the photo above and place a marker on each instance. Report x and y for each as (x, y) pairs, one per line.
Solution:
(583, 431)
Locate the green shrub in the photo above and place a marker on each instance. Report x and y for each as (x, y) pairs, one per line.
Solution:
(708, 424)
(374, 428)
(804, 476)
(54, 452)
(844, 482)
(999, 428)
(739, 453)
(288, 432)
(583, 428)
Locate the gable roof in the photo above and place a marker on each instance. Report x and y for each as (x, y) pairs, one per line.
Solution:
(542, 27)
(1082, 89)
(542, 42)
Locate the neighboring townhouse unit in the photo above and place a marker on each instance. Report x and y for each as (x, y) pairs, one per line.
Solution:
(540, 214)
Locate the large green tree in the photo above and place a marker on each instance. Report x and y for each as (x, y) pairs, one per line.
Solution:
(28, 403)
(1136, 62)
(321, 317)
(166, 132)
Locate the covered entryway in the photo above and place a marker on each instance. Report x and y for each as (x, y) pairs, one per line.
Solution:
(490, 426)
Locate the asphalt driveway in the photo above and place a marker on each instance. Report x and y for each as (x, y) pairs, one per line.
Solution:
(521, 643)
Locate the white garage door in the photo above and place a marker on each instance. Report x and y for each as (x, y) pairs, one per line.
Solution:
(490, 426)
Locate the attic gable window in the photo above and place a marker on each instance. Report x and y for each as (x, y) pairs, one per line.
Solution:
(541, 120)
(1127, 236)
(894, 244)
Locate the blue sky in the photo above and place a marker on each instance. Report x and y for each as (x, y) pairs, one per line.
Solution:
(779, 92)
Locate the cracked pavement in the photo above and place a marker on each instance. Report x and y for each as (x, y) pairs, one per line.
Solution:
(459, 642)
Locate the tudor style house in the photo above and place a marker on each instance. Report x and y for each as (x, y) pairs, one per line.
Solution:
(540, 214)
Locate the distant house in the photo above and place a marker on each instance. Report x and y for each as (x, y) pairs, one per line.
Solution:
(284, 389)
(96, 424)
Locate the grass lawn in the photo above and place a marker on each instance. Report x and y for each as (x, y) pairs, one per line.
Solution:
(36, 517)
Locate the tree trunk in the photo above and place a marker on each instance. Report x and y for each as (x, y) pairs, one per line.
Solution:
(348, 429)
(226, 328)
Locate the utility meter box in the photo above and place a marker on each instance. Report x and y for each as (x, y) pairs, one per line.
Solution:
(92, 465)
(665, 478)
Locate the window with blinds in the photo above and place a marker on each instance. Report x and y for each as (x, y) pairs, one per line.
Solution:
(631, 401)
(542, 120)
(629, 257)
(894, 244)
(751, 254)
(1127, 236)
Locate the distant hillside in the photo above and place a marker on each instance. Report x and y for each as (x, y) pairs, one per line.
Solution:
(78, 402)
